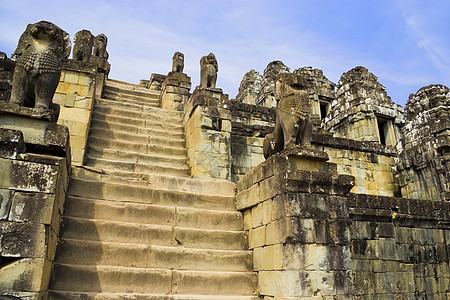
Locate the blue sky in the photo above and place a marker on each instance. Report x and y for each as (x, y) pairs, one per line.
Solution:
(406, 44)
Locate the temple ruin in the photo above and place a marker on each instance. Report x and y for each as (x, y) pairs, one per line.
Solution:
(299, 188)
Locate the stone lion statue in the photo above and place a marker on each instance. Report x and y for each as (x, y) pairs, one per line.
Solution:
(208, 71)
(40, 53)
(100, 43)
(82, 48)
(178, 62)
(292, 125)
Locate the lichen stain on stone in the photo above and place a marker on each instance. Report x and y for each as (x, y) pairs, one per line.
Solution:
(33, 176)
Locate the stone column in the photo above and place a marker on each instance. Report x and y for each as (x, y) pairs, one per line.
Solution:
(207, 123)
(34, 167)
(175, 90)
(296, 213)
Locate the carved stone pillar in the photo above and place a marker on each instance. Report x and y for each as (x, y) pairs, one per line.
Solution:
(207, 123)
(175, 90)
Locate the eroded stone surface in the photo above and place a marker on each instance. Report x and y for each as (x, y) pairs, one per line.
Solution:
(424, 161)
(83, 43)
(363, 111)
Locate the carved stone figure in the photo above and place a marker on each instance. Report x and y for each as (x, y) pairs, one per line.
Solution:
(293, 125)
(40, 54)
(82, 48)
(100, 43)
(208, 71)
(178, 62)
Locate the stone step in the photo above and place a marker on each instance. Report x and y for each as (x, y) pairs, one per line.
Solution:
(138, 138)
(136, 158)
(175, 183)
(153, 214)
(160, 169)
(131, 97)
(148, 195)
(161, 235)
(133, 129)
(128, 105)
(140, 280)
(131, 90)
(156, 123)
(129, 86)
(79, 252)
(144, 148)
(63, 295)
(156, 113)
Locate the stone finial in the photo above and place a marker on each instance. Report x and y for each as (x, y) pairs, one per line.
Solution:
(178, 62)
(293, 125)
(208, 71)
(100, 43)
(3, 55)
(38, 68)
(83, 43)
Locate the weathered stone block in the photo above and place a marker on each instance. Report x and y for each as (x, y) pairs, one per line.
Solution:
(247, 198)
(28, 176)
(6, 197)
(11, 143)
(25, 275)
(257, 237)
(23, 239)
(257, 215)
(32, 207)
(288, 283)
(39, 135)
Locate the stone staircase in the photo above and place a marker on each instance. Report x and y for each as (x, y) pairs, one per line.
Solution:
(135, 225)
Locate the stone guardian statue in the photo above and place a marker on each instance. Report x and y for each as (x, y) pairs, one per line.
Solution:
(178, 62)
(293, 124)
(40, 53)
(100, 43)
(208, 71)
(83, 43)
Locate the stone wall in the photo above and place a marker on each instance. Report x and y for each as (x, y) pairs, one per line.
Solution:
(424, 153)
(249, 123)
(400, 247)
(295, 212)
(76, 94)
(34, 164)
(310, 238)
(371, 164)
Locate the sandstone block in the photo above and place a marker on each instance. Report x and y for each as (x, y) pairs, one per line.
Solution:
(23, 239)
(6, 197)
(32, 207)
(257, 237)
(28, 176)
(25, 275)
(248, 198)
(257, 215)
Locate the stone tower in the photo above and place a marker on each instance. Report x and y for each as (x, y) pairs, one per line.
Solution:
(363, 111)
(321, 92)
(249, 88)
(424, 154)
